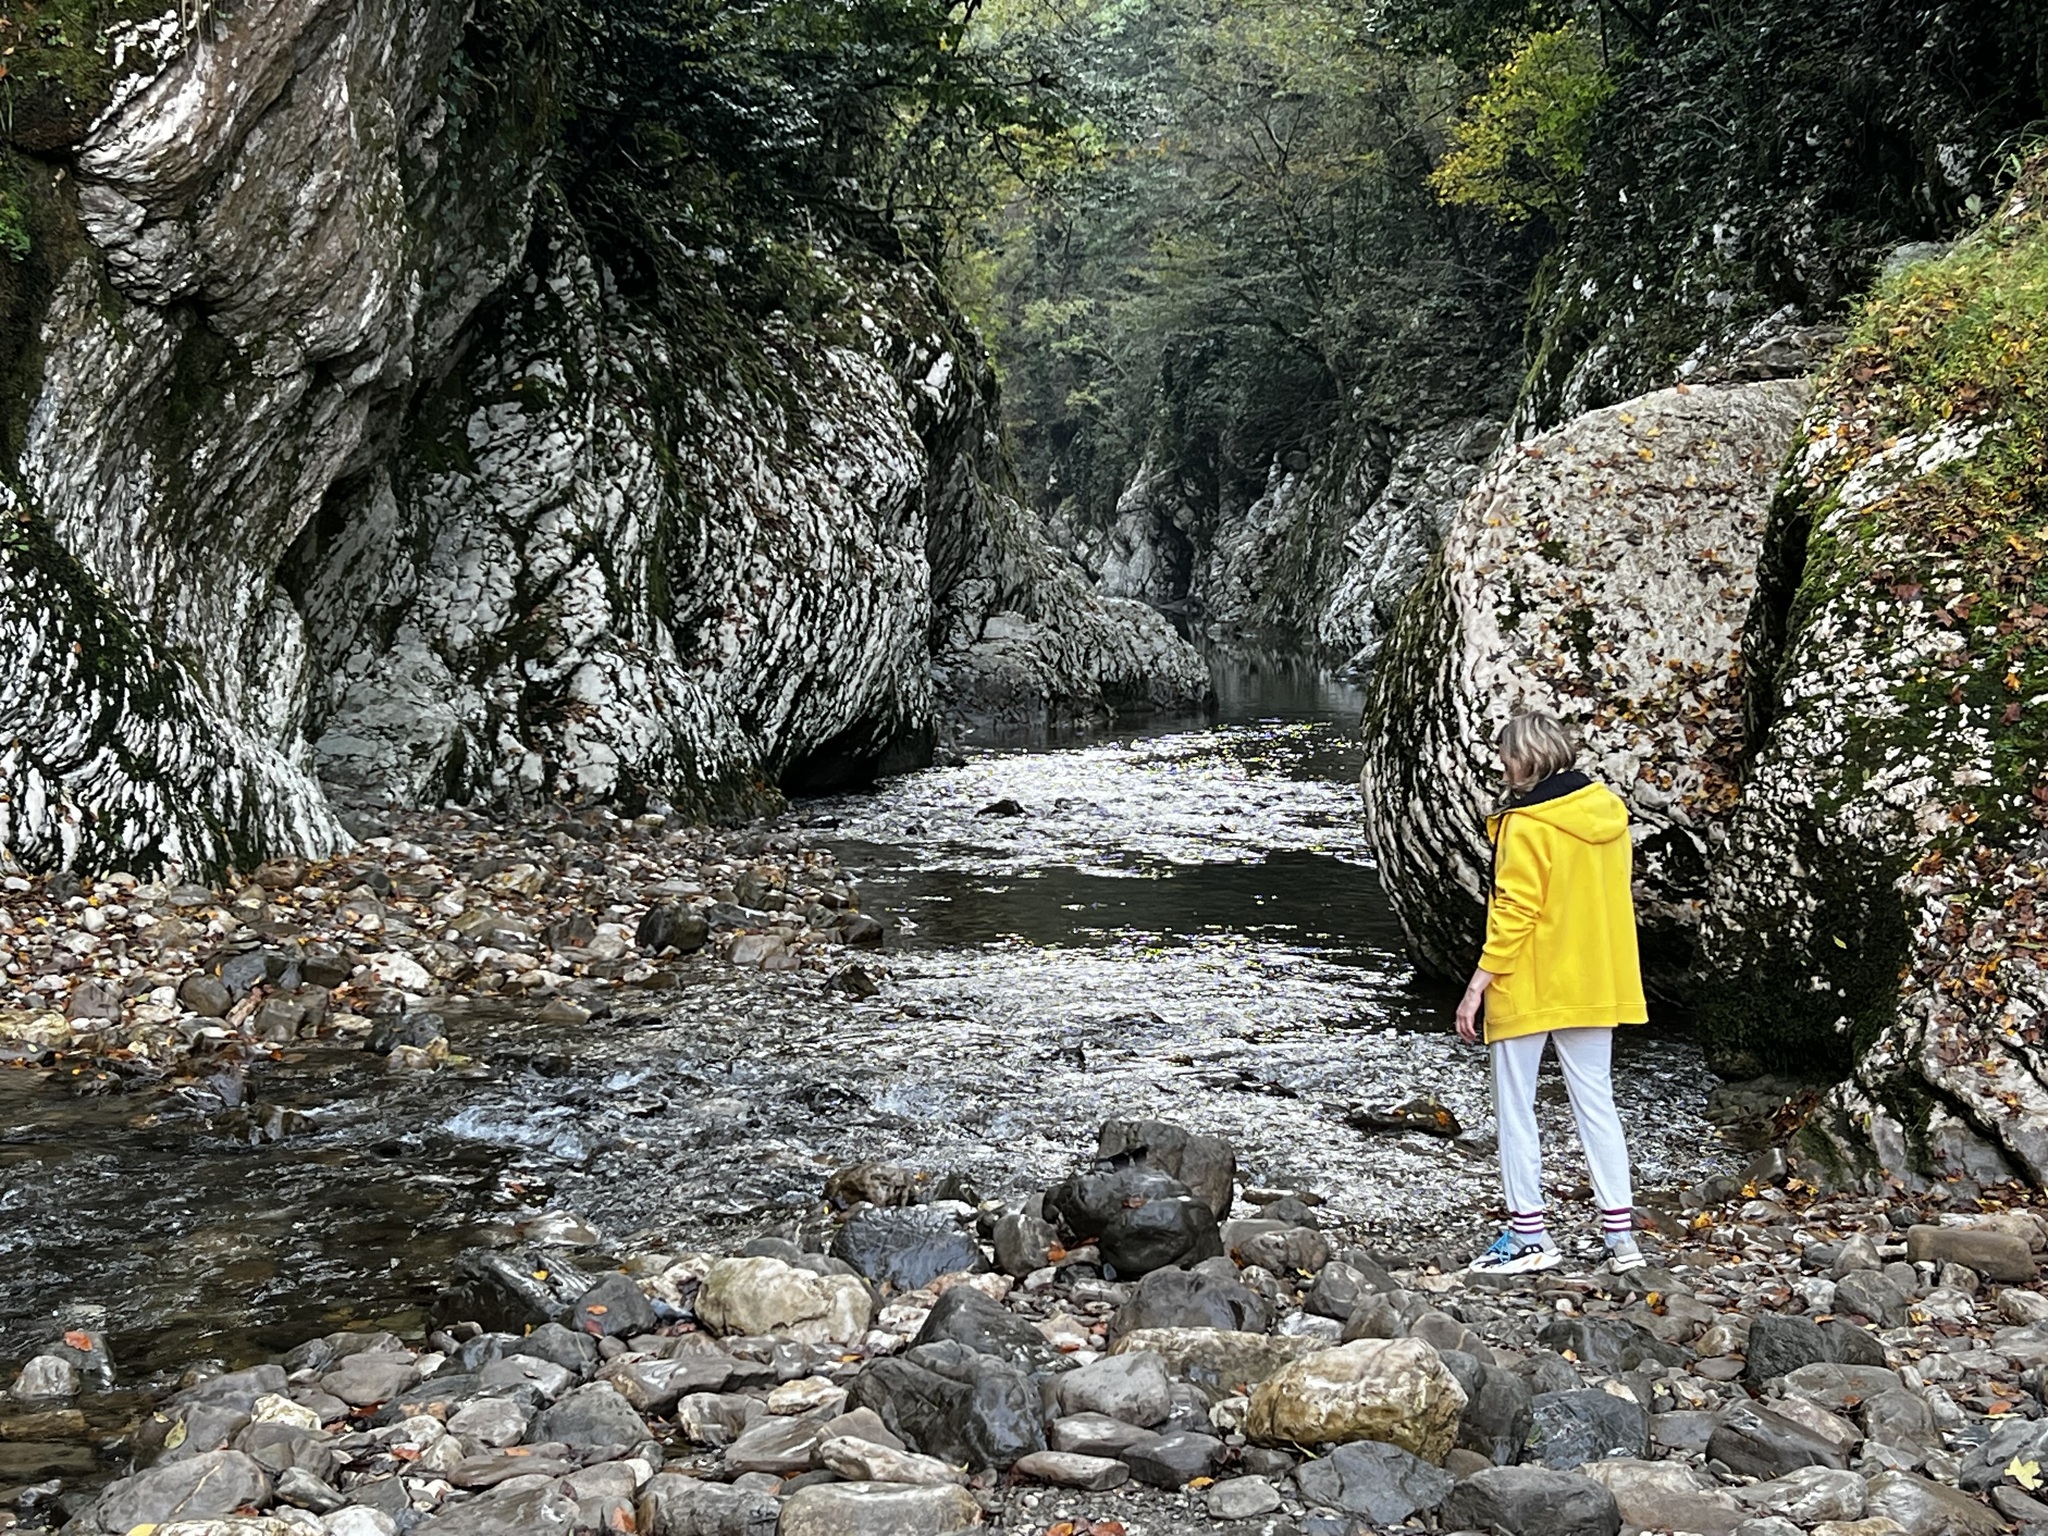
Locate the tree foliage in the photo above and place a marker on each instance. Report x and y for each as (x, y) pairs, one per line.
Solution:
(1521, 148)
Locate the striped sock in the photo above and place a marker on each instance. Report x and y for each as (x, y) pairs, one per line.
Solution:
(1528, 1227)
(1615, 1224)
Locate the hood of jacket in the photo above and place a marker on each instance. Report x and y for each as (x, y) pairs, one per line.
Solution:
(1573, 804)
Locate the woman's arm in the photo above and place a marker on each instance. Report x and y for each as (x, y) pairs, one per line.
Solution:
(1468, 1005)
(1521, 877)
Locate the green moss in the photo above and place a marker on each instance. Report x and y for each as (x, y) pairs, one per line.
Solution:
(60, 66)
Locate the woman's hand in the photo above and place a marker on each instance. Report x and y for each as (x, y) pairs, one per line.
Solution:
(1468, 1006)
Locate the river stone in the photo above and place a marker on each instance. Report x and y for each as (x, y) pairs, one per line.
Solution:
(1133, 1387)
(359, 1520)
(1568, 1429)
(1531, 1501)
(1140, 1218)
(1808, 1495)
(1242, 1498)
(1608, 1344)
(752, 1297)
(1838, 1388)
(1338, 1290)
(281, 1448)
(652, 1386)
(878, 1509)
(1207, 1165)
(298, 1487)
(1180, 1298)
(1810, 1416)
(1172, 1460)
(1870, 1293)
(542, 1511)
(1221, 1361)
(1779, 1344)
(1023, 1243)
(907, 1248)
(865, 1461)
(1665, 1496)
(371, 1377)
(1900, 1418)
(1290, 1251)
(667, 926)
(976, 1412)
(589, 1418)
(46, 1378)
(1499, 1408)
(965, 1316)
(1983, 1468)
(1756, 1442)
(1379, 1482)
(1924, 1508)
(547, 1379)
(236, 1389)
(1396, 1390)
(781, 1447)
(572, 1349)
(1071, 1469)
(205, 995)
(489, 1421)
(1093, 1434)
(1997, 1256)
(196, 1488)
(613, 1308)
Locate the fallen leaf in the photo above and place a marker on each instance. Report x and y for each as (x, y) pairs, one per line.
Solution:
(176, 1437)
(78, 1340)
(2026, 1473)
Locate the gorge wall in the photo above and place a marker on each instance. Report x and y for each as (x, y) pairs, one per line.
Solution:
(335, 451)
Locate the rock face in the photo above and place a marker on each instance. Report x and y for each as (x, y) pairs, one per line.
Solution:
(342, 454)
(1875, 906)
(1603, 571)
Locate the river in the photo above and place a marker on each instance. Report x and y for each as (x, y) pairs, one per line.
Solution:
(1180, 922)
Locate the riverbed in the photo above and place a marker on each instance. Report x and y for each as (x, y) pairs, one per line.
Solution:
(1178, 921)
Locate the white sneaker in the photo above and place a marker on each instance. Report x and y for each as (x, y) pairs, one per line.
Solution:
(1624, 1255)
(1512, 1255)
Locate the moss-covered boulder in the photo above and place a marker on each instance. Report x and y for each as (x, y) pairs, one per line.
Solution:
(1603, 571)
(1874, 908)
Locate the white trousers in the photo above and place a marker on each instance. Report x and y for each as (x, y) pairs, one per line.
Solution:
(1586, 1057)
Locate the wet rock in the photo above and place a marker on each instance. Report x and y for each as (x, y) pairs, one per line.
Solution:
(753, 1297)
(1838, 1388)
(1997, 1256)
(1755, 1442)
(1834, 1429)
(46, 1378)
(1023, 1243)
(1897, 1417)
(864, 1461)
(965, 1316)
(1131, 1387)
(205, 995)
(878, 1509)
(780, 1447)
(1338, 1290)
(281, 1448)
(1499, 1408)
(1140, 1218)
(571, 1349)
(300, 1488)
(199, 1487)
(685, 1506)
(1242, 1498)
(1071, 1469)
(1664, 1496)
(668, 927)
(1568, 1429)
(1177, 1298)
(1926, 1508)
(1871, 1294)
(537, 1512)
(1779, 1344)
(1809, 1495)
(908, 1248)
(547, 1379)
(1218, 1360)
(490, 1421)
(589, 1418)
(1396, 1390)
(862, 931)
(613, 1308)
(1985, 1466)
(1094, 1434)
(1378, 1482)
(1531, 1501)
(884, 1185)
(963, 1408)
(1292, 1250)
(1173, 1461)
(1207, 1165)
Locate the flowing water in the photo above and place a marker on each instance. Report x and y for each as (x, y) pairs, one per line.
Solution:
(1179, 923)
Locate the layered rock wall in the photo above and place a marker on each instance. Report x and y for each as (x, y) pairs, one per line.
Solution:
(341, 423)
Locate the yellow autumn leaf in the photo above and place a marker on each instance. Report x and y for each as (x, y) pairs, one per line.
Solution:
(1200, 1482)
(176, 1437)
(2026, 1473)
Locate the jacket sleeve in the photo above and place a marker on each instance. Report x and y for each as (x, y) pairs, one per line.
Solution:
(1521, 879)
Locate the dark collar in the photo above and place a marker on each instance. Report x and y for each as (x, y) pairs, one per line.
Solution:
(1556, 787)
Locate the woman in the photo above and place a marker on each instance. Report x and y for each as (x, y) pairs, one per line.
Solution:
(1560, 967)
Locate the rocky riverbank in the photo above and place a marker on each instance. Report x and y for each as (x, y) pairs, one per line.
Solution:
(117, 980)
(1144, 1348)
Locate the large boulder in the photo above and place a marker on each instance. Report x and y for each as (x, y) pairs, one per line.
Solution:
(907, 1248)
(1141, 1218)
(1395, 1390)
(1531, 1501)
(1206, 1164)
(766, 1296)
(946, 1401)
(1181, 1298)
(1874, 909)
(1604, 571)
(211, 1483)
(1220, 1361)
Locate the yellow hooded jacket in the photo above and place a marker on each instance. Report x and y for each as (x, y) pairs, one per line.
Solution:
(1561, 923)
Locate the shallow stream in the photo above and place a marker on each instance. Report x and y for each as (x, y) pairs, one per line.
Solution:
(1181, 922)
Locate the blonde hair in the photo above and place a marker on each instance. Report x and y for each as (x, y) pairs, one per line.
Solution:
(1533, 746)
